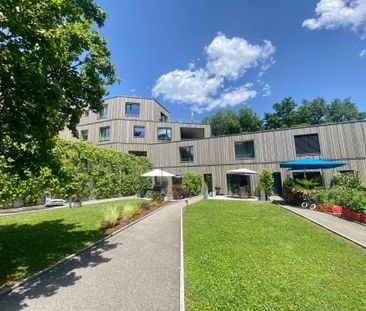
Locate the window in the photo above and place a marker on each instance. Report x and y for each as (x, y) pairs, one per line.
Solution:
(138, 131)
(164, 133)
(163, 117)
(186, 154)
(84, 135)
(138, 153)
(314, 176)
(244, 149)
(104, 133)
(307, 144)
(86, 113)
(103, 112)
(132, 110)
(349, 172)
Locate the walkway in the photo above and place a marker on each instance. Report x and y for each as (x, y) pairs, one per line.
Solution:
(136, 269)
(348, 229)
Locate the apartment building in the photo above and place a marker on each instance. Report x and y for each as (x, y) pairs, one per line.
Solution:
(142, 127)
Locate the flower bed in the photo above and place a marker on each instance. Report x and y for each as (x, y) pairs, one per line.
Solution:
(343, 212)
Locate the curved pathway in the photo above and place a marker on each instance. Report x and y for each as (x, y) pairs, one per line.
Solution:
(136, 269)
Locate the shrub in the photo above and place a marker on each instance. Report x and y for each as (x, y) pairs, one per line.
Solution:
(157, 197)
(178, 192)
(145, 206)
(110, 217)
(130, 211)
(192, 183)
(347, 181)
(266, 181)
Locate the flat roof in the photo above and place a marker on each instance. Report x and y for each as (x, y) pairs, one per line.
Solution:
(136, 97)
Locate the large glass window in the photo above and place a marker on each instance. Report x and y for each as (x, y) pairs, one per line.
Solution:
(84, 135)
(164, 133)
(139, 153)
(163, 117)
(104, 133)
(307, 144)
(103, 112)
(132, 110)
(139, 131)
(244, 149)
(186, 154)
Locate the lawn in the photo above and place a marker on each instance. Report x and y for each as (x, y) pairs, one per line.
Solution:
(256, 256)
(32, 242)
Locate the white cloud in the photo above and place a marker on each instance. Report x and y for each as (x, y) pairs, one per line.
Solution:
(333, 14)
(230, 58)
(227, 60)
(188, 86)
(267, 90)
(363, 53)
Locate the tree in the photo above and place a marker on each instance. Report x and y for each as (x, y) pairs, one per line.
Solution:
(266, 182)
(285, 115)
(54, 66)
(224, 122)
(192, 183)
(312, 112)
(249, 121)
(346, 110)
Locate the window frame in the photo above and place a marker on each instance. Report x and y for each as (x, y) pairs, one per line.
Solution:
(129, 114)
(192, 154)
(245, 156)
(81, 135)
(139, 126)
(165, 128)
(100, 133)
(306, 153)
(104, 116)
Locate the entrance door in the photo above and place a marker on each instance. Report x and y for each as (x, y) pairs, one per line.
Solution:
(277, 185)
(207, 178)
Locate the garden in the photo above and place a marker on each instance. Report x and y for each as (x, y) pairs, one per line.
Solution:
(345, 197)
(257, 256)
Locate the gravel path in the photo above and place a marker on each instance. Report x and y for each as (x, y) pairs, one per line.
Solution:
(136, 269)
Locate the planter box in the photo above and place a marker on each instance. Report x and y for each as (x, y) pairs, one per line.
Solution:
(337, 209)
(346, 213)
(330, 209)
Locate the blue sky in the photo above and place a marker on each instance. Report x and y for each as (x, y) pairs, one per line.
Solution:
(210, 54)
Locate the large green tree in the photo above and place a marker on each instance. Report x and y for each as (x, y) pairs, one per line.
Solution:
(249, 121)
(54, 66)
(343, 110)
(223, 122)
(285, 115)
(312, 112)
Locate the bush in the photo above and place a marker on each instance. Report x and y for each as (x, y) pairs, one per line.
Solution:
(111, 215)
(145, 206)
(157, 197)
(130, 211)
(178, 192)
(192, 183)
(347, 181)
(266, 181)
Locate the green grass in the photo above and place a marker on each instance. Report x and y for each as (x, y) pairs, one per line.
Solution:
(256, 256)
(32, 242)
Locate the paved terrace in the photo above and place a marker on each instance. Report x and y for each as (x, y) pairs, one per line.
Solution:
(136, 269)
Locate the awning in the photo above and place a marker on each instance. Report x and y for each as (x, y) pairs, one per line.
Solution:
(311, 164)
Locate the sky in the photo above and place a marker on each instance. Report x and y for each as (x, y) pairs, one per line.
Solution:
(205, 55)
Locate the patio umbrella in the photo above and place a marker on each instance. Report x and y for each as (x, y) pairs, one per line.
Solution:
(305, 164)
(242, 171)
(157, 173)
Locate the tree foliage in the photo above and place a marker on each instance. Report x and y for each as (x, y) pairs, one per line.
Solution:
(286, 113)
(192, 183)
(266, 181)
(54, 66)
(85, 171)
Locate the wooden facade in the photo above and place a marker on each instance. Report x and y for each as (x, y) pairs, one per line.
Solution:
(216, 155)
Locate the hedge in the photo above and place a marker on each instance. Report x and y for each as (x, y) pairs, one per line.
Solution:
(83, 171)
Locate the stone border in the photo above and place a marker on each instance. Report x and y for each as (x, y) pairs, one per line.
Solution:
(325, 227)
(8, 290)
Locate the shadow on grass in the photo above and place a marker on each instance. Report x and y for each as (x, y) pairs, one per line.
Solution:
(26, 249)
